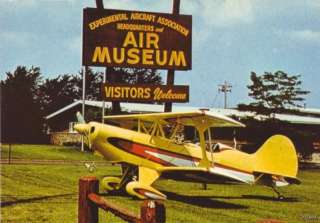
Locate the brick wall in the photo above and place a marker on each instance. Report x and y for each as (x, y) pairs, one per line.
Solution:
(62, 138)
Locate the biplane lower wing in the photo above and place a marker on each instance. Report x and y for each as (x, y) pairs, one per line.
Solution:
(214, 174)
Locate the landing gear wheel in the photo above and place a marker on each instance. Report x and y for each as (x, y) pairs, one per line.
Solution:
(111, 183)
(280, 196)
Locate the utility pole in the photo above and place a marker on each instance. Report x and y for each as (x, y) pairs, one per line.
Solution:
(225, 88)
(84, 75)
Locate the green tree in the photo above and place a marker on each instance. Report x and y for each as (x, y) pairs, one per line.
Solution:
(64, 89)
(274, 93)
(25, 98)
(57, 93)
(93, 84)
(21, 116)
(136, 75)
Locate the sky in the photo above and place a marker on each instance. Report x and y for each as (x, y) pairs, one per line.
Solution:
(230, 39)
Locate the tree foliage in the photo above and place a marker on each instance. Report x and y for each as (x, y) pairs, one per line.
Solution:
(136, 75)
(21, 116)
(57, 92)
(274, 93)
(64, 89)
(26, 98)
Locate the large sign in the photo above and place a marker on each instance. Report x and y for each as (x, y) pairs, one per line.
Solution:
(120, 38)
(145, 93)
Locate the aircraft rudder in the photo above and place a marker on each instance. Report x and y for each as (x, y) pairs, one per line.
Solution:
(277, 156)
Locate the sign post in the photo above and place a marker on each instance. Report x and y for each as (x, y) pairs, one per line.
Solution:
(170, 74)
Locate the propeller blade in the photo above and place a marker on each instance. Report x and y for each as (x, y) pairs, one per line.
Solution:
(83, 128)
(80, 118)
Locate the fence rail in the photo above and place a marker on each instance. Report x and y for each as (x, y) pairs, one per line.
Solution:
(90, 202)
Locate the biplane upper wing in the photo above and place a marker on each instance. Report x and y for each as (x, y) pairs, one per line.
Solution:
(209, 118)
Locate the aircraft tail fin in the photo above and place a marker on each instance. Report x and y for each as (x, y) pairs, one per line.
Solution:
(277, 156)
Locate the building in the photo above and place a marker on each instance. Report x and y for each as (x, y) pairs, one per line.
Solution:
(60, 123)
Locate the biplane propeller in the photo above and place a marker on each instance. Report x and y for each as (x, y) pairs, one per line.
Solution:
(147, 148)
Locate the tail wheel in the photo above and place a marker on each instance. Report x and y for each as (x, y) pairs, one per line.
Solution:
(144, 191)
(111, 183)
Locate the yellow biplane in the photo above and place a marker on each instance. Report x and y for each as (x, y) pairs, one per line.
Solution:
(147, 146)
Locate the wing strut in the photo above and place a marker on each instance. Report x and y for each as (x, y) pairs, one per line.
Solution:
(201, 126)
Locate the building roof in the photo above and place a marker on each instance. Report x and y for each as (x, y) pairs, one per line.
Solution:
(314, 111)
(129, 107)
(150, 108)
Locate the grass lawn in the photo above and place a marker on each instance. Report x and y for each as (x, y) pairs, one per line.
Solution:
(48, 152)
(48, 193)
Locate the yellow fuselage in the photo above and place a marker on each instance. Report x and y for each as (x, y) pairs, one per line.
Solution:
(122, 145)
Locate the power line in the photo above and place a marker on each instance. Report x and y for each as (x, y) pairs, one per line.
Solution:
(215, 99)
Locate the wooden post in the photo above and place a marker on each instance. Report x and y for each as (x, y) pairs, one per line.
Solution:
(170, 74)
(109, 76)
(118, 211)
(87, 210)
(152, 212)
(170, 82)
(112, 77)
(99, 4)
